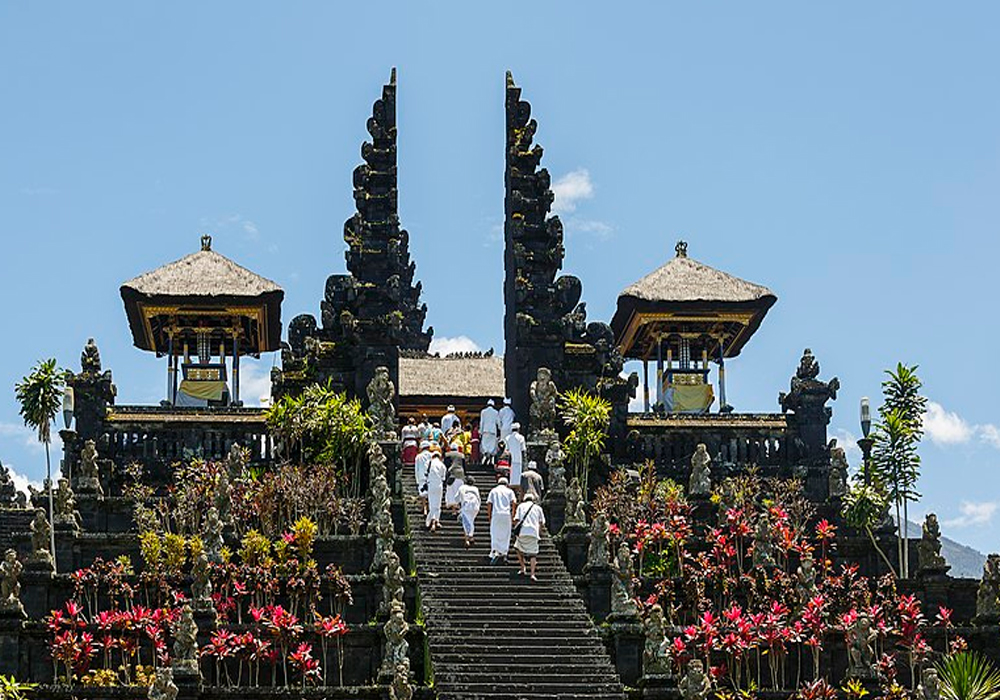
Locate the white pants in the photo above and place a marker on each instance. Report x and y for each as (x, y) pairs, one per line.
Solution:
(451, 495)
(500, 525)
(434, 489)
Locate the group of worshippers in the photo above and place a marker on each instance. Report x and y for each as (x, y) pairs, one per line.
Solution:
(438, 453)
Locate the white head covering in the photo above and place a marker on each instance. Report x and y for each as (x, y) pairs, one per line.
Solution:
(532, 465)
(491, 402)
(506, 402)
(425, 444)
(450, 407)
(502, 481)
(529, 496)
(515, 426)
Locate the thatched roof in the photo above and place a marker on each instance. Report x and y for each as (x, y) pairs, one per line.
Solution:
(205, 273)
(684, 279)
(459, 377)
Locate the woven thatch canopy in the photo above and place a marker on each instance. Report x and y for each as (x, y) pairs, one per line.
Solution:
(204, 290)
(686, 297)
(428, 384)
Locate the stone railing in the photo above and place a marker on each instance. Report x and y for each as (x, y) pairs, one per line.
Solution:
(159, 435)
(763, 439)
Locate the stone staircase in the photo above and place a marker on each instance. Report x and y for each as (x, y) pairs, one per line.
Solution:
(495, 634)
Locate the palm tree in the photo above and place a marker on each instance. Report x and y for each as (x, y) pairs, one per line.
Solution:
(40, 396)
(968, 676)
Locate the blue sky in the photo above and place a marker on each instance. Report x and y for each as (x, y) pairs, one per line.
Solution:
(847, 155)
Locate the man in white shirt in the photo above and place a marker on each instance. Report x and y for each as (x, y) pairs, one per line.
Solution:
(448, 420)
(516, 446)
(506, 415)
(499, 509)
(530, 518)
(420, 466)
(489, 428)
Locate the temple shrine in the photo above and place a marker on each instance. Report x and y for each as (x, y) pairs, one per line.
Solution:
(206, 549)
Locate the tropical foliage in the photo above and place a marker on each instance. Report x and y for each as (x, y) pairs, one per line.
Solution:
(588, 417)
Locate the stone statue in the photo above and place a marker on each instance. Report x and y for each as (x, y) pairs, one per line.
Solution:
(393, 580)
(930, 684)
(89, 480)
(384, 538)
(805, 583)
(988, 597)
(700, 483)
(655, 655)
(576, 513)
(401, 688)
(597, 552)
(90, 358)
(397, 649)
(212, 536)
(622, 587)
(163, 687)
(554, 459)
(41, 538)
(10, 585)
(186, 643)
(544, 394)
(201, 585)
(860, 648)
(381, 403)
(694, 684)
(838, 473)
(763, 545)
(236, 460)
(8, 492)
(224, 496)
(807, 398)
(65, 504)
(929, 547)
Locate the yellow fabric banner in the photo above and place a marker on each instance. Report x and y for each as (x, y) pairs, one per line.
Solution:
(207, 391)
(683, 398)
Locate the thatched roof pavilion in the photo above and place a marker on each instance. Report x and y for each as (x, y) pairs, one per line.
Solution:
(429, 384)
(688, 312)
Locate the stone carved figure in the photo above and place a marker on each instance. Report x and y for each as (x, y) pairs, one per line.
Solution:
(597, 551)
(807, 398)
(8, 492)
(576, 513)
(622, 587)
(805, 576)
(763, 545)
(384, 536)
(861, 648)
(186, 643)
(41, 537)
(163, 687)
(397, 649)
(930, 684)
(544, 395)
(655, 654)
(10, 584)
(393, 580)
(89, 480)
(236, 460)
(90, 358)
(401, 688)
(838, 473)
(65, 504)
(201, 586)
(381, 406)
(212, 536)
(988, 596)
(555, 459)
(929, 547)
(224, 496)
(700, 483)
(695, 684)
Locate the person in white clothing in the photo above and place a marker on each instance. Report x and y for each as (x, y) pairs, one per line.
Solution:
(529, 519)
(448, 420)
(489, 429)
(420, 466)
(436, 475)
(499, 509)
(516, 447)
(506, 415)
(471, 501)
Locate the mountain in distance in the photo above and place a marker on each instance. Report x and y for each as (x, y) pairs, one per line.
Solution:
(965, 561)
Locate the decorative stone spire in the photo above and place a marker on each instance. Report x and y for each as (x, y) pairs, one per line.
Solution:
(206, 242)
(682, 249)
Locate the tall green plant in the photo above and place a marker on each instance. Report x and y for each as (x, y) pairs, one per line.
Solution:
(588, 416)
(968, 676)
(40, 395)
(895, 460)
(864, 508)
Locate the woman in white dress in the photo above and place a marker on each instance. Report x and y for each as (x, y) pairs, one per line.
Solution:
(436, 475)
(468, 496)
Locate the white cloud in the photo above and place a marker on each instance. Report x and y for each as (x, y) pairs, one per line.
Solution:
(946, 427)
(973, 514)
(599, 229)
(228, 222)
(570, 189)
(255, 382)
(28, 438)
(447, 346)
(990, 434)
(849, 442)
(21, 481)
